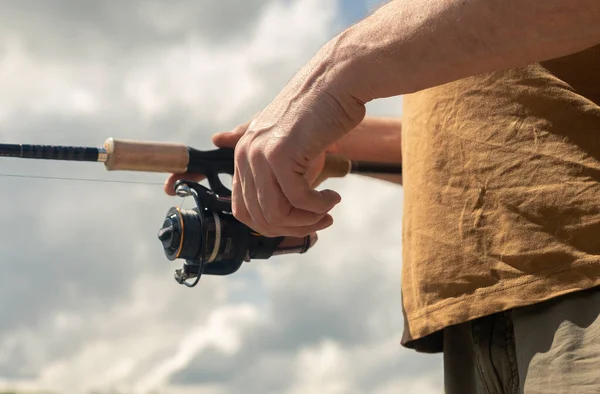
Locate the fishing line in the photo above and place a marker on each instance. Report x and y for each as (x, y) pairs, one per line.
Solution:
(57, 178)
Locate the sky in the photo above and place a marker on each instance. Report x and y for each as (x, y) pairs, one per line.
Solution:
(87, 298)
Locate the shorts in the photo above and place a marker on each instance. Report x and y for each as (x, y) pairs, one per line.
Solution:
(551, 347)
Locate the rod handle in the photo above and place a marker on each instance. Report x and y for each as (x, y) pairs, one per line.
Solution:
(148, 156)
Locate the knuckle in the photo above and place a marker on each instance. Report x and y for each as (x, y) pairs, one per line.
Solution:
(275, 152)
(251, 153)
(255, 156)
(240, 150)
(271, 154)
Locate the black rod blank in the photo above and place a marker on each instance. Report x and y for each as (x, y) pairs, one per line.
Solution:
(368, 167)
(50, 152)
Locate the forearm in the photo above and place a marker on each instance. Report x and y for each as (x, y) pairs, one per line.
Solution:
(406, 46)
(377, 140)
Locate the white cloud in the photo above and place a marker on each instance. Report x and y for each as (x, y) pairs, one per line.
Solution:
(41, 88)
(323, 369)
(222, 332)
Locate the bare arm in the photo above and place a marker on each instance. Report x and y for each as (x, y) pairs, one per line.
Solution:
(374, 139)
(406, 46)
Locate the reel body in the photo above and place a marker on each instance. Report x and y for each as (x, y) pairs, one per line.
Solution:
(211, 240)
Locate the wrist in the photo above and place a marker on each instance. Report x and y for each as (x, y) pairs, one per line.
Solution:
(321, 92)
(341, 57)
(367, 60)
(336, 62)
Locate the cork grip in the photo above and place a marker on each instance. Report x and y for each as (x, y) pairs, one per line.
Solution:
(334, 167)
(127, 155)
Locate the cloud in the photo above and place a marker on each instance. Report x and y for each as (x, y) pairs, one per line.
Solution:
(94, 29)
(222, 334)
(87, 299)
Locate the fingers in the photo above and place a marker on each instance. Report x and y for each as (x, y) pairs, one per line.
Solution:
(270, 213)
(170, 182)
(240, 212)
(229, 139)
(299, 194)
(248, 196)
(276, 207)
(268, 209)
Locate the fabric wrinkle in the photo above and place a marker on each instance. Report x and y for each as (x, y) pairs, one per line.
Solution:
(500, 207)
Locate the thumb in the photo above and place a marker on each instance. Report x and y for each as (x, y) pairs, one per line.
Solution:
(228, 139)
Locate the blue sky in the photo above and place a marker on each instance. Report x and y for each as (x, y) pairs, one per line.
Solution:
(354, 10)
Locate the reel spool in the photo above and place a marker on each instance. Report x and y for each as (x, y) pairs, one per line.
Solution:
(212, 241)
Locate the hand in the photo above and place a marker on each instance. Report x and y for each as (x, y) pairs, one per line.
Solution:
(273, 159)
(272, 192)
(229, 139)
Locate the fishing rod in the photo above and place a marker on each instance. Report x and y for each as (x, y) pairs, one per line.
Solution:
(207, 237)
(176, 158)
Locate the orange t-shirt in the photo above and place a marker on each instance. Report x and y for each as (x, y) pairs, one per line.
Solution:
(502, 193)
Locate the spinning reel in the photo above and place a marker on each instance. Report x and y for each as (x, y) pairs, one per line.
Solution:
(211, 240)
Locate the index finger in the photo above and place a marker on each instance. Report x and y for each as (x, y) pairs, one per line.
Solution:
(297, 190)
(170, 182)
